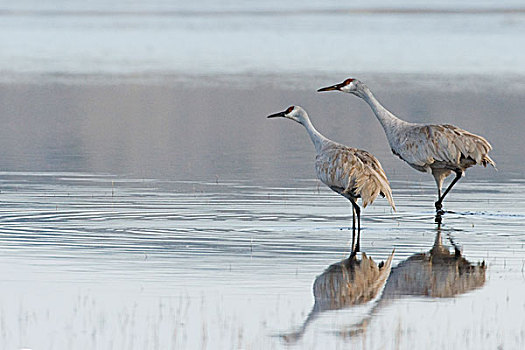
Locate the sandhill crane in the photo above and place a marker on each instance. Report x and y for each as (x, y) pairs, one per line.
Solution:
(436, 149)
(351, 172)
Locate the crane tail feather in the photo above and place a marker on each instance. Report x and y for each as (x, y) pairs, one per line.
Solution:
(390, 200)
(487, 160)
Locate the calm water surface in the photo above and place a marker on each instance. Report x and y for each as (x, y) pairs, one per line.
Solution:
(147, 203)
(167, 216)
(207, 37)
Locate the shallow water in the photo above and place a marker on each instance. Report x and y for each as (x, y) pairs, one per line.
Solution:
(156, 216)
(100, 262)
(146, 202)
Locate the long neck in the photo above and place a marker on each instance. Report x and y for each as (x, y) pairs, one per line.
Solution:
(315, 135)
(386, 118)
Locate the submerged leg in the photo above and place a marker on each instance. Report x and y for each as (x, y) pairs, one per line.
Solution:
(441, 197)
(438, 220)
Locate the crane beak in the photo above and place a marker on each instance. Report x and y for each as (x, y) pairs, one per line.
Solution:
(331, 88)
(276, 115)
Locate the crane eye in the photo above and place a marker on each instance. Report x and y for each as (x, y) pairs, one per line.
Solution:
(289, 110)
(348, 81)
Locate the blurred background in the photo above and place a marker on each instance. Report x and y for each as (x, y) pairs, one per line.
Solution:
(59, 37)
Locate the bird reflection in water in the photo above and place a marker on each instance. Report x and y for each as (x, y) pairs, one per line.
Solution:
(438, 273)
(343, 284)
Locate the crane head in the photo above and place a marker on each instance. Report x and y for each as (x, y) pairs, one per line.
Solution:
(294, 113)
(350, 85)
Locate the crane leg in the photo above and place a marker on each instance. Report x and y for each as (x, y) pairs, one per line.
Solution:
(353, 229)
(439, 211)
(356, 211)
(439, 202)
(358, 243)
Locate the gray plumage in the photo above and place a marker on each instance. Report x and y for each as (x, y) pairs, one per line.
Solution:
(436, 149)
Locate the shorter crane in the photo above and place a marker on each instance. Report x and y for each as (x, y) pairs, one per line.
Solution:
(351, 172)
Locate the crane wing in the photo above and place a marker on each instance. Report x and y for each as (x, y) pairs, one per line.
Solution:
(357, 172)
(423, 145)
